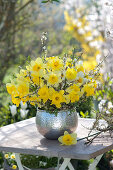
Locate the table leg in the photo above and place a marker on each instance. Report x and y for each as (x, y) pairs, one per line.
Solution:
(17, 156)
(95, 162)
(66, 163)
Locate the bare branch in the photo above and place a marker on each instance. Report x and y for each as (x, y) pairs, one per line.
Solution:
(24, 6)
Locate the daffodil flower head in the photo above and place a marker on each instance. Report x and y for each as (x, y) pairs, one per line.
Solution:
(23, 88)
(44, 93)
(37, 66)
(11, 88)
(71, 74)
(53, 79)
(89, 89)
(68, 139)
(55, 63)
(14, 167)
(58, 98)
(36, 78)
(12, 156)
(6, 156)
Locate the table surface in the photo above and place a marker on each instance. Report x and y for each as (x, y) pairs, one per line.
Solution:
(23, 137)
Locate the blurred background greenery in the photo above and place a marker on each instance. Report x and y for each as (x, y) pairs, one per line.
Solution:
(22, 25)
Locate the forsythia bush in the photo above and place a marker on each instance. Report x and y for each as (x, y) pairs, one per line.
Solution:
(90, 38)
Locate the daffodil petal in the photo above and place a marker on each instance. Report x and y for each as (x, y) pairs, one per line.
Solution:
(65, 133)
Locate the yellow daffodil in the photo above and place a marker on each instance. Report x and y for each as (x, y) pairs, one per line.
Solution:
(37, 66)
(53, 79)
(44, 93)
(23, 88)
(80, 80)
(74, 96)
(16, 100)
(12, 156)
(25, 99)
(23, 75)
(55, 64)
(89, 89)
(11, 88)
(58, 98)
(71, 74)
(74, 87)
(14, 167)
(51, 92)
(36, 78)
(68, 139)
(34, 100)
(6, 156)
(80, 68)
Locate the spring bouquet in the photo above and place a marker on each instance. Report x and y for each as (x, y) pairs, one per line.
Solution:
(52, 84)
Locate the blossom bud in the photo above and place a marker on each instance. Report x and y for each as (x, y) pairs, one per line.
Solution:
(13, 110)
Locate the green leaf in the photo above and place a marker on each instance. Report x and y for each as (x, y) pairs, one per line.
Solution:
(45, 1)
(56, 0)
(82, 114)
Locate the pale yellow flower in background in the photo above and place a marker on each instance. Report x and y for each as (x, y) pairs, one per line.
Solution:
(68, 139)
(6, 156)
(12, 156)
(14, 167)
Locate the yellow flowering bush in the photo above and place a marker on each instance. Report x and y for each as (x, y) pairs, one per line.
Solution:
(52, 84)
(90, 39)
